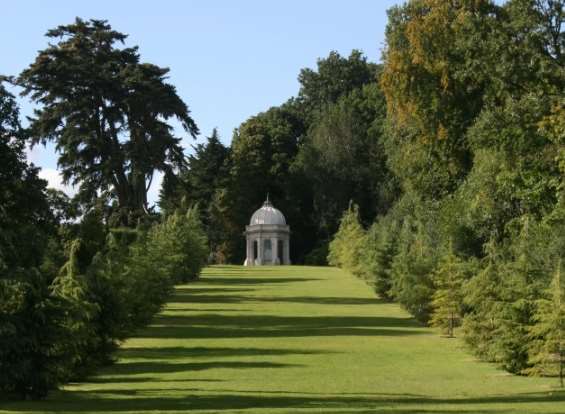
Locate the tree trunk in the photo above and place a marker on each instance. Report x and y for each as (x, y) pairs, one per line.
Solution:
(561, 364)
(139, 193)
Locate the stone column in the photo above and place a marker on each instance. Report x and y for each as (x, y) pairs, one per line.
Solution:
(259, 250)
(286, 251)
(246, 263)
(275, 250)
(250, 258)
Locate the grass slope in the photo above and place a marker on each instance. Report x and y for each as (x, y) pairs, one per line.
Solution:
(291, 340)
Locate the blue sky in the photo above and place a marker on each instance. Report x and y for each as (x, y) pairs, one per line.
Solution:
(229, 59)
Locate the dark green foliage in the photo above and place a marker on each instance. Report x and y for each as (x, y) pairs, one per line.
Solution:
(378, 257)
(475, 140)
(34, 331)
(474, 135)
(132, 277)
(70, 291)
(45, 327)
(547, 353)
(342, 154)
(110, 119)
(335, 76)
(483, 323)
(63, 208)
(178, 245)
(383, 271)
(32, 340)
(343, 157)
(313, 154)
(115, 293)
(71, 286)
(25, 218)
(263, 150)
(207, 169)
(412, 269)
(201, 184)
(317, 256)
(501, 299)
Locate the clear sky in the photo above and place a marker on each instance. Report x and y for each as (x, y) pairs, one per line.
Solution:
(229, 59)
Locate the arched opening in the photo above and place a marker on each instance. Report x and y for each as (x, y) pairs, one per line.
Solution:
(255, 250)
(280, 250)
(267, 251)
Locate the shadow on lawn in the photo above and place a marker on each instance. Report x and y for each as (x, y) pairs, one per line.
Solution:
(184, 290)
(148, 367)
(153, 400)
(270, 326)
(204, 352)
(102, 379)
(237, 280)
(137, 376)
(189, 310)
(192, 296)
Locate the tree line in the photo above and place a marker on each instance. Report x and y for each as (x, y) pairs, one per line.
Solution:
(448, 160)
(78, 276)
(312, 154)
(475, 137)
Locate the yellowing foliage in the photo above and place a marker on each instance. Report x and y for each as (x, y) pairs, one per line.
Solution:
(419, 62)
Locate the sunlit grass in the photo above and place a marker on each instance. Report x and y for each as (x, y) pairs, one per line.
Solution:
(294, 339)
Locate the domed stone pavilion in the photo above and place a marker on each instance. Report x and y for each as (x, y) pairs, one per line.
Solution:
(268, 237)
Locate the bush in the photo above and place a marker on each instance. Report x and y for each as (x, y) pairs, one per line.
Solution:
(377, 258)
(43, 329)
(180, 245)
(318, 256)
(346, 249)
(57, 328)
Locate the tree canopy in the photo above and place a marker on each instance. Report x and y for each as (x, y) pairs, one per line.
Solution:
(110, 119)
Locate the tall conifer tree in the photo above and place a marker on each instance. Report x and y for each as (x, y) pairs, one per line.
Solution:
(110, 119)
(548, 350)
(447, 299)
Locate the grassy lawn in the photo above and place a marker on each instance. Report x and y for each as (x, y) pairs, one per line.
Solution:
(291, 340)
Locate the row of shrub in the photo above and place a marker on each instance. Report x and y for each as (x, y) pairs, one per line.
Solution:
(474, 139)
(509, 301)
(66, 316)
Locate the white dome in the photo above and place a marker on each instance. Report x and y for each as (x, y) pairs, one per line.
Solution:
(267, 215)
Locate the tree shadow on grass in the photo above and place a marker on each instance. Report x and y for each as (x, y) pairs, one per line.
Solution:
(217, 299)
(187, 296)
(186, 290)
(227, 269)
(103, 379)
(219, 333)
(274, 321)
(204, 352)
(237, 280)
(144, 401)
(271, 326)
(148, 367)
(189, 310)
(325, 300)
